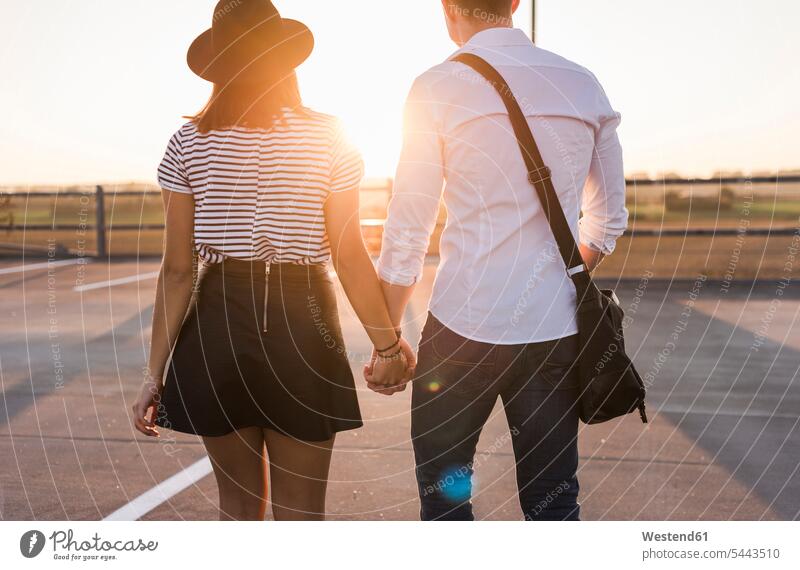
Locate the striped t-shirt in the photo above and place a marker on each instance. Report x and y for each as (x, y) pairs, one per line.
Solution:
(259, 194)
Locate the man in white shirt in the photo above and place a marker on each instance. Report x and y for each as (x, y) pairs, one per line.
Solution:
(502, 315)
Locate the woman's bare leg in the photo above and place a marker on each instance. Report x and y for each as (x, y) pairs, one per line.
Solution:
(298, 476)
(240, 469)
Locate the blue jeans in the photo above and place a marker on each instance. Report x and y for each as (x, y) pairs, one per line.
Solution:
(458, 382)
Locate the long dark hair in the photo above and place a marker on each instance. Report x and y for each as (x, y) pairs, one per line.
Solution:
(248, 105)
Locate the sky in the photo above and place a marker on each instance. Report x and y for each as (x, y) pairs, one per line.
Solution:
(91, 90)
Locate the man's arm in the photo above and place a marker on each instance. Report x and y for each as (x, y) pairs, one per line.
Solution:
(397, 298)
(591, 257)
(605, 217)
(414, 206)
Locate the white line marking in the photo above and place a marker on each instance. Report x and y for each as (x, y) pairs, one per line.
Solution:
(162, 492)
(697, 410)
(43, 265)
(115, 282)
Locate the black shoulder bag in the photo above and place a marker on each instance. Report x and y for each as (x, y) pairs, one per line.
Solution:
(610, 385)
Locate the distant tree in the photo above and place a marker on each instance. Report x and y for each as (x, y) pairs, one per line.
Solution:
(728, 174)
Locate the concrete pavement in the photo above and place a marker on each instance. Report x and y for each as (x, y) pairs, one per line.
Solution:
(721, 360)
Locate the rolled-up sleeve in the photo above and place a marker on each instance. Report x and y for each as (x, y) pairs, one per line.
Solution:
(605, 217)
(417, 191)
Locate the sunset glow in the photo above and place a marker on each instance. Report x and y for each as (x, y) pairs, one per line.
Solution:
(99, 99)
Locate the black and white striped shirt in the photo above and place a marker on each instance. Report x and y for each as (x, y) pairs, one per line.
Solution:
(259, 194)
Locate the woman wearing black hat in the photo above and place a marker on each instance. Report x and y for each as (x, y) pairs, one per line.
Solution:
(264, 191)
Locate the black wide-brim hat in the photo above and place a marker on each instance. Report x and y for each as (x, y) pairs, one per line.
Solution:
(249, 42)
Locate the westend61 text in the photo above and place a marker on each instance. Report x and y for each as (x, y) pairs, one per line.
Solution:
(675, 537)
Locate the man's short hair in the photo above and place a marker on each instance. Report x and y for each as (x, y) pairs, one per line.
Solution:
(483, 8)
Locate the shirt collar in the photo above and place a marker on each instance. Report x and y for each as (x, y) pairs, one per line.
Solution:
(498, 37)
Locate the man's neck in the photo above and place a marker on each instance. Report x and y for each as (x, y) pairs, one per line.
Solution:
(467, 32)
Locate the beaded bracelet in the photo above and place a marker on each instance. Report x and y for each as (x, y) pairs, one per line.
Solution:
(399, 338)
(390, 356)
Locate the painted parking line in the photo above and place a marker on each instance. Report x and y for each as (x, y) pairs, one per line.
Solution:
(43, 265)
(708, 411)
(162, 492)
(115, 282)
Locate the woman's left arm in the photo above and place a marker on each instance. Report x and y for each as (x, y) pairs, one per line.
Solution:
(363, 289)
(173, 295)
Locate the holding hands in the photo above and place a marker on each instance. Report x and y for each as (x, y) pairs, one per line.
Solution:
(391, 369)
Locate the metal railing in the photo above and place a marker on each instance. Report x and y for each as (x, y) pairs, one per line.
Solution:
(715, 181)
(101, 228)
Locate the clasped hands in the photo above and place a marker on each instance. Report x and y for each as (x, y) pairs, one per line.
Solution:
(390, 373)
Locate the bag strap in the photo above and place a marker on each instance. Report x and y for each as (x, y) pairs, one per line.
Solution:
(539, 174)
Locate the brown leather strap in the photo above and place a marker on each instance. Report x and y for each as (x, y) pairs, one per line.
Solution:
(539, 174)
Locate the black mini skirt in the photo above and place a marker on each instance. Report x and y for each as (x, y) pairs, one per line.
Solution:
(261, 349)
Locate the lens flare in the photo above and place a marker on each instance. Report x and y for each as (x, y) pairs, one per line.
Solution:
(434, 386)
(456, 484)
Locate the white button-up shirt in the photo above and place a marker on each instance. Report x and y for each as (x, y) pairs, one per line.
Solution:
(501, 278)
